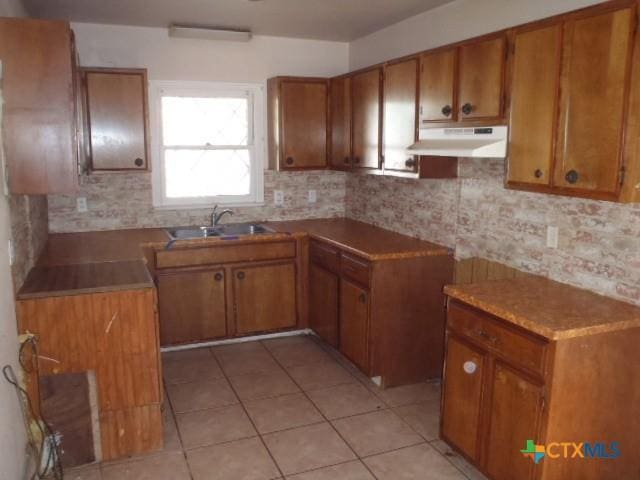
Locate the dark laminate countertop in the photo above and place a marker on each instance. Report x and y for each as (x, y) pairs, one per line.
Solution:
(548, 308)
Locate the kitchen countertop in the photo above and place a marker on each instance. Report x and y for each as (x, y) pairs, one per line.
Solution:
(551, 309)
(89, 262)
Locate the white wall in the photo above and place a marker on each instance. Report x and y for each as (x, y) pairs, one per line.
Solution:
(450, 23)
(185, 59)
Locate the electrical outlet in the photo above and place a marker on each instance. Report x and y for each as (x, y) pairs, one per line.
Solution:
(313, 197)
(12, 253)
(81, 204)
(278, 197)
(552, 236)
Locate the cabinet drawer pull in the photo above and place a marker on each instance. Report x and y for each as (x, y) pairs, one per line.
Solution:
(346, 160)
(217, 277)
(467, 108)
(410, 163)
(470, 367)
(538, 173)
(138, 162)
(447, 110)
(362, 298)
(240, 275)
(289, 160)
(572, 176)
(486, 336)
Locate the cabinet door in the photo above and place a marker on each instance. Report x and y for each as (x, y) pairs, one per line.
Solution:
(264, 297)
(534, 100)
(192, 306)
(354, 324)
(323, 303)
(400, 115)
(437, 86)
(366, 119)
(594, 86)
(481, 79)
(464, 368)
(514, 416)
(340, 108)
(117, 104)
(304, 124)
(38, 124)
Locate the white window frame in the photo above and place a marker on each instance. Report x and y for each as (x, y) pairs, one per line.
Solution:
(257, 149)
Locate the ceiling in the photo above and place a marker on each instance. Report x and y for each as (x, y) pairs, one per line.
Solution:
(339, 20)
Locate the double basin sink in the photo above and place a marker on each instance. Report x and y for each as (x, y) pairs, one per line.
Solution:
(227, 230)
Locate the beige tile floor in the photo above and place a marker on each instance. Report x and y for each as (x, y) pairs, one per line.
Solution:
(288, 408)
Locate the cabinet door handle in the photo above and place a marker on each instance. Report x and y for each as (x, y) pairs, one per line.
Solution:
(447, 110)
(217, 277)
(138, 162)
(538, 173)
(470, 367)
(572, 176)
(346, 160)
(362, 298)
(467, 108)
(410, 163)
(289, 160)
(240, 275)
(356, 160)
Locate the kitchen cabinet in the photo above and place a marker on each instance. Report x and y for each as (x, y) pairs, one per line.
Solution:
(219, 291)
(323, 303)
(117, 118)
(39, 111)
(365, 128)
(437, 86)
(340, 123)
(298, 123)
(399, 125)
(573, 128)
(354, 320)
(192, 305)
(481, 79)
(264, 297)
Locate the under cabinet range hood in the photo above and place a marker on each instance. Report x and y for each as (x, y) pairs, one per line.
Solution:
(488, 142)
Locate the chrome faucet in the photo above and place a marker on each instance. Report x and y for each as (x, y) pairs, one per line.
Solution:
(215, 217)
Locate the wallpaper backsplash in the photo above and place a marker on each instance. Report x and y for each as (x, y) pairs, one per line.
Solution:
(123, 200)
(599, 242)
(29, 230)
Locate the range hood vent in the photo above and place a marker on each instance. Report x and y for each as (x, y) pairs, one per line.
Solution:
(490, 142)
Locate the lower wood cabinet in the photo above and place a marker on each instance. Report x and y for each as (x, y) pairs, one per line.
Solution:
(354, 323)
(264, 297)
(192, 305)
(323, 303)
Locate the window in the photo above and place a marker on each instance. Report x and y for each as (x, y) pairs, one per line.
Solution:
(208, 144)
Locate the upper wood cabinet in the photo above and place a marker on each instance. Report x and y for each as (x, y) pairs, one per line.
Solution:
(437, 86)
(340, 124)
(574, 129)
(399, 123)
(366, 95)
(117, 113)
(298, 123)
(39, 112)
(481, 79)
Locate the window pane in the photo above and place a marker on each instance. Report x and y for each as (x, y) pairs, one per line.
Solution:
(207, 173)
(189, 121)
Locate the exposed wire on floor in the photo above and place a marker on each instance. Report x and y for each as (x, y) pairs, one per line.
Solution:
(44, 450)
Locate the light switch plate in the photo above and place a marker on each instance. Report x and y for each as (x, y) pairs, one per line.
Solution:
(313, 196)
(552, 236)
(278, 197)
(81, 204)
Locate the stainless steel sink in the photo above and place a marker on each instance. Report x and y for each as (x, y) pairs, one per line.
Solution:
(227, 230)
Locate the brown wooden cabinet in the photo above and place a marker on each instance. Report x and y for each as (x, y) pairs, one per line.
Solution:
(39, 112)
(354, 323)
(399, 125)
(298, 123)
(192, 305)
(340, 124)
(573, 127)
(323, 303)
(365, 128)
(117, 118)
(264, 297)
(438, 87)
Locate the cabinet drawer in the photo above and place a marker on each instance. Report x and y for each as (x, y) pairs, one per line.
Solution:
(325, 256)
(355, 268)
(526, 351)
(225, 254)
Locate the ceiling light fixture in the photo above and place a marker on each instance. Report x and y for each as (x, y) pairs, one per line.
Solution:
(209, 33)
